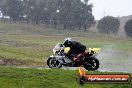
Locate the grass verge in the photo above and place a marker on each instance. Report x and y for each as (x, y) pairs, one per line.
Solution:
(11, 77)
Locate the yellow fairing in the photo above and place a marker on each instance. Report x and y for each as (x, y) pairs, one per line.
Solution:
(94, 50)
(66, 49)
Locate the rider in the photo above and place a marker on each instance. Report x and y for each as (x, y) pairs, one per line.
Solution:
(75, 48)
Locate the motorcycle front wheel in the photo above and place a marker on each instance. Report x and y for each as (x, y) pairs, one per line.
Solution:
(91, 63)
(53, 63)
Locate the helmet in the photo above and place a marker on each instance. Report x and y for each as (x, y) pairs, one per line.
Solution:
(67, 42)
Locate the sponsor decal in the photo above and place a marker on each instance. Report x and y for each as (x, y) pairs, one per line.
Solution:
(102, 78)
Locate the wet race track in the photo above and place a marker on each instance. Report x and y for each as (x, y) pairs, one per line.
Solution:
(110, 60)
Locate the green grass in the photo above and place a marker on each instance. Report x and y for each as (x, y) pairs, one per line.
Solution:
(11, 77)
(31, 46)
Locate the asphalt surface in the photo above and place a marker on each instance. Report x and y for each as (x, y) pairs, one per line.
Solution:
(110, 60)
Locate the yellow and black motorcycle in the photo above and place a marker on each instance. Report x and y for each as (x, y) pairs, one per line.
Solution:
(88, 60)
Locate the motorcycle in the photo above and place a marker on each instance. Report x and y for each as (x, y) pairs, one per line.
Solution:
(59, 58)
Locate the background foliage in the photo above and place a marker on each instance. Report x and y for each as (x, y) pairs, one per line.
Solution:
(128, 28)
(65, 13)
(108, 25)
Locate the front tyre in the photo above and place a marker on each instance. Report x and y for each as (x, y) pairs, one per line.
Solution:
(53, 63)
(91, 63)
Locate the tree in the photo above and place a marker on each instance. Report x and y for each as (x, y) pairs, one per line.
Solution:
(108, 25)
(14, 9)
(3, 7)
(75, 13)
(69, 14)
(53, 11)
(88, 18)
(128, 28)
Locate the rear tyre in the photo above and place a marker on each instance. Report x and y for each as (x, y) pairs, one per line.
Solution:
(53, 63)
(91, 63)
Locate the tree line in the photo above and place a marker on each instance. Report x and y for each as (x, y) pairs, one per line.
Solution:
(110, 25)
(69, 14)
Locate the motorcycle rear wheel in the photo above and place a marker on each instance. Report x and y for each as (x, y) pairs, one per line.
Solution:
(91, 63)
(53, 63)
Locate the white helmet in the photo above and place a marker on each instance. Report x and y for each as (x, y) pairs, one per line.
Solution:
(67, 42)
